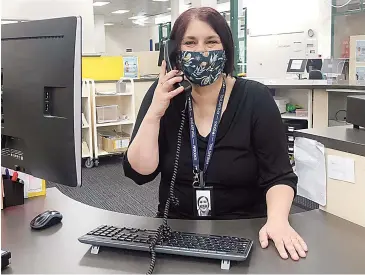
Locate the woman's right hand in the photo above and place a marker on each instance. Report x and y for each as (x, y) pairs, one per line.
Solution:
(165, 91)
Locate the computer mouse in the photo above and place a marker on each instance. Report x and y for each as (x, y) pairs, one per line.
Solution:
(46, 219)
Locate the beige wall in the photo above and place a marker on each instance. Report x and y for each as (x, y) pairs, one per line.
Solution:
(140, 90)
(320, 108)
(347, 200)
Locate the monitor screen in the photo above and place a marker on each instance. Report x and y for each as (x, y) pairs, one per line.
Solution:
(297, 66)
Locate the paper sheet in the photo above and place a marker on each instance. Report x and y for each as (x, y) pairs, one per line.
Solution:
(310, 166)
(296, 64)
(340, 168)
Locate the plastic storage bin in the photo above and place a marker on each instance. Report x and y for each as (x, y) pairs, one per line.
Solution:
(121, 87)
(107, 113)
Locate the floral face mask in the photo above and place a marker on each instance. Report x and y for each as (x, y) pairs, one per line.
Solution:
(203, 68)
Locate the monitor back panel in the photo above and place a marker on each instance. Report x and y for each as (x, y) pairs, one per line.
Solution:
(42, 83)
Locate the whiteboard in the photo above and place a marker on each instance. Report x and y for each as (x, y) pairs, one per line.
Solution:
(268, 55)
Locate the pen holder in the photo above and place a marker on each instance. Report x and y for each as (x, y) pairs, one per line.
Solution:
(13, 192)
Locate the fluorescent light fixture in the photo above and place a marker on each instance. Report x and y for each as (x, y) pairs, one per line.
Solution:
(160, 0)
(168, 9)
(138, 22)
(138, 17)
(108, 24)
(162, 19)
(100, 3)
(120, 11)
(9, 22)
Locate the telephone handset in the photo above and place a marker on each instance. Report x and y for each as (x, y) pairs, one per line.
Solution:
(170, 57)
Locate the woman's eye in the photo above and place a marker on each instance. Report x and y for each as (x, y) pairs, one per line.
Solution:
(189, 43)
(212, 42)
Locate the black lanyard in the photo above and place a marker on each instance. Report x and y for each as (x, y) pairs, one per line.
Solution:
(199, 176)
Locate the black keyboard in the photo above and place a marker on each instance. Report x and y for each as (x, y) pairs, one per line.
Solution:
(178, 243)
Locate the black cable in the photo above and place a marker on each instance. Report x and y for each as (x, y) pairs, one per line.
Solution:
(164, 230)
(336, 115)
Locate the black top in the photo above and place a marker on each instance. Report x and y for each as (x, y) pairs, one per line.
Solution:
(250, 154)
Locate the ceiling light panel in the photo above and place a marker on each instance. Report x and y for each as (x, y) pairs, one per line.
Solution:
(100, 3)
(120, 11)
(138, 17)
(9, 22)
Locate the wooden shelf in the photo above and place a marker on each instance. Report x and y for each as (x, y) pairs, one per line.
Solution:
(116, 123)
(116, 94)
(126, 106)
(293, 116)
(105, 153)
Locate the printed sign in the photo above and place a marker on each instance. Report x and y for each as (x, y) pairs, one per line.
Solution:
(360, 73)
(360, 51)
(130, 64)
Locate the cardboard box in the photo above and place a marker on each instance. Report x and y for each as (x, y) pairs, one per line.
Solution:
(114, 142)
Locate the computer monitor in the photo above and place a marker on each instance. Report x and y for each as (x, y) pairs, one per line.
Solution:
(41, 127)
(297, 66)
(314, 65)
(333, 67)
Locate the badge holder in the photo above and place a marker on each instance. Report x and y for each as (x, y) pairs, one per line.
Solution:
(203, 205)
(203, 198)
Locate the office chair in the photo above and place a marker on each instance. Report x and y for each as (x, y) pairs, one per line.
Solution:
(314, 64)
(315, 74)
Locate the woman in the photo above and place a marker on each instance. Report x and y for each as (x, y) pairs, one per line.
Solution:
(248, 171)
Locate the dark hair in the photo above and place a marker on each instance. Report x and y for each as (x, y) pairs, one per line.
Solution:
(214, 19)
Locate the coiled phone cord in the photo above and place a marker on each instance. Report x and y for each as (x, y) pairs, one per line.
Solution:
(164, 230)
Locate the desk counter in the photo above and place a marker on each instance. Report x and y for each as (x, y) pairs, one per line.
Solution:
(341, 138)
(311, 84)
(343, 199)
(335, 245)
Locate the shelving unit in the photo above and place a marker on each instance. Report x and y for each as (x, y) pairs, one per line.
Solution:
(105, 94)
(88, 86)
(301, 97)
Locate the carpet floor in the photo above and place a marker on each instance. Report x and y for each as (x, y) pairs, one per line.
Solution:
(107, 188)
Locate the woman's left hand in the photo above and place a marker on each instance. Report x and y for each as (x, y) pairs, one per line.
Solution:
(285, 238)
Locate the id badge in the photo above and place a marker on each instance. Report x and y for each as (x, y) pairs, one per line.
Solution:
(203, 202)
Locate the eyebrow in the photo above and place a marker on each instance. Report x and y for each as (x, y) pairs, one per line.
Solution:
(209, 37)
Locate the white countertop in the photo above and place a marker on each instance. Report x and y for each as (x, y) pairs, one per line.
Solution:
(310, 84)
